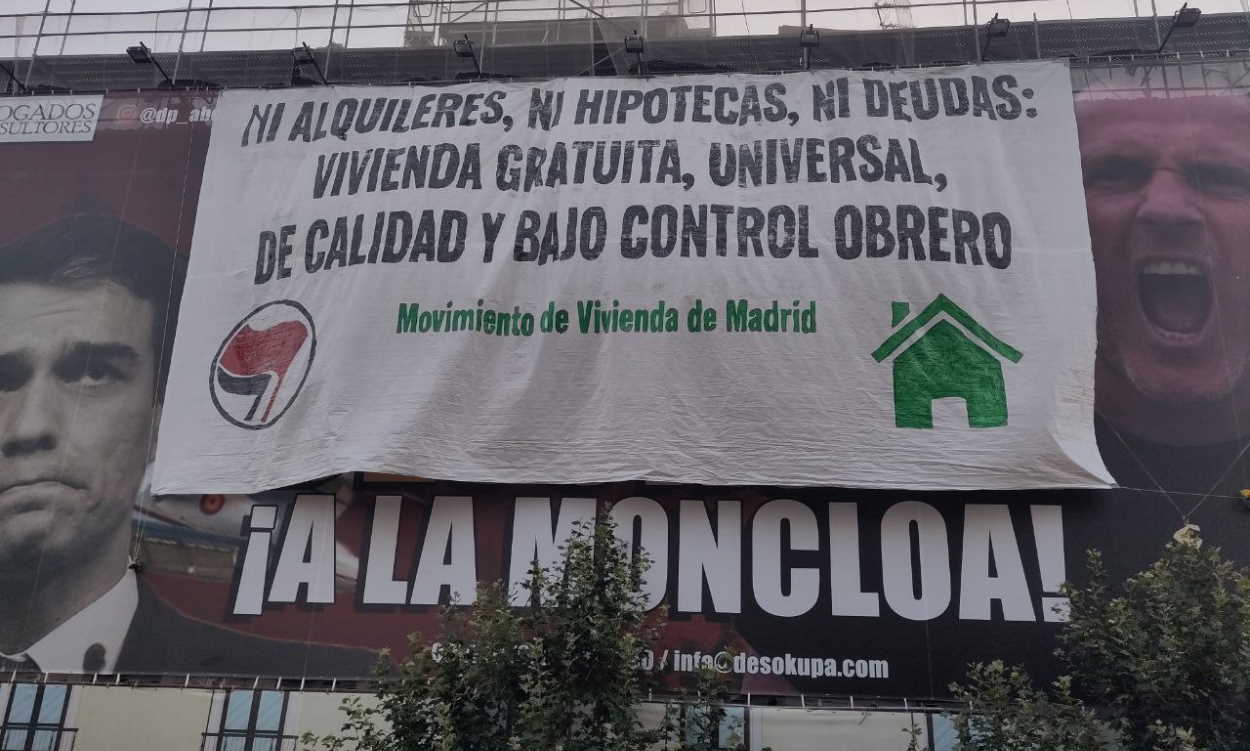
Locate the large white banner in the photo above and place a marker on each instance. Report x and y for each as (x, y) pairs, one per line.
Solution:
(876, 279)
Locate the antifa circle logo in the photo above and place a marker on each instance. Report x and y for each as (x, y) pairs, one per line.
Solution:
(262, 363)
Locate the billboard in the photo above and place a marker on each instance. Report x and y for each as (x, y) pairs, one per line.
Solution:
(94, 236)
(786, 280)
(52, 118)
(788, 589)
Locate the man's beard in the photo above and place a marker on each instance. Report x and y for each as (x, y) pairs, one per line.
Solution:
(1164, 386)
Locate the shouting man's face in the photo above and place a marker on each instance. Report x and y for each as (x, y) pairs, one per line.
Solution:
(1167, 185)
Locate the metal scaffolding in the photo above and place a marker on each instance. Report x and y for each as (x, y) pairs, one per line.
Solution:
(66, 45)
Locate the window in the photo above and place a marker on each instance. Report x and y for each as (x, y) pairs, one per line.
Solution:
(731, 734)
(252, 721)
(943, 732)
(34, 719)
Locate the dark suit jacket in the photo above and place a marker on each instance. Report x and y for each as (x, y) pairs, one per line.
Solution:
(161, 640)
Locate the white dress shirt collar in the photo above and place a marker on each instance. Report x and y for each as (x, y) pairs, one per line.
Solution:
(102, 624)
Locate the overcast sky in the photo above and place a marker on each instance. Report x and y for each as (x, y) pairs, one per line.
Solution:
(162, 30)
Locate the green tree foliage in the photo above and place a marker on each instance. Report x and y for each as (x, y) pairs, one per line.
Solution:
(559, 676)
(1004, 711)
(1159, 663)
(1170, 653)
(582, 685)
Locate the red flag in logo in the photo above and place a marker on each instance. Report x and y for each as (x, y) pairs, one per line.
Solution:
(253, 358)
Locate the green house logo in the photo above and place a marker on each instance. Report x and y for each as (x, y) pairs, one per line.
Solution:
(944, 361)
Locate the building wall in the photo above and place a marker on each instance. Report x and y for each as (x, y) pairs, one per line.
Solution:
(122, 718)
(788, 729)
(319, 713)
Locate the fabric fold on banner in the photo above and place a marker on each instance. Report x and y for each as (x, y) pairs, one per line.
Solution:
(870, 279)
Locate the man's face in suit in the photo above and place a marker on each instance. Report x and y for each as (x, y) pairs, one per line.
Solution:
(1167, 184)
(77, 386)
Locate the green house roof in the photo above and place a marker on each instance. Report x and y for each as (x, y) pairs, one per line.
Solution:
(943, 304)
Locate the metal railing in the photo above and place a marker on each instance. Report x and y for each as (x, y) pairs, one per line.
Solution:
(217, 25)
(241, 741)
(70, 46)
(51, 738)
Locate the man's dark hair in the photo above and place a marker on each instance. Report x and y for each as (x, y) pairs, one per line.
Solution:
(87, 249)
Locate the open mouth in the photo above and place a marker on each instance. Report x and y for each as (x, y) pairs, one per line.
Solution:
(1175, 295)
